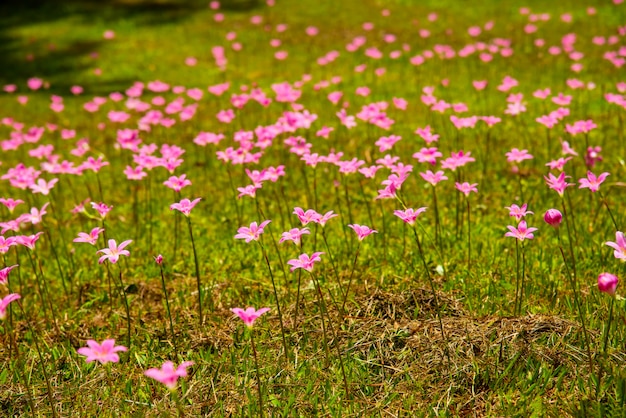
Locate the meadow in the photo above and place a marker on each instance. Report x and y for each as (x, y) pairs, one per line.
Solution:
(312, 208)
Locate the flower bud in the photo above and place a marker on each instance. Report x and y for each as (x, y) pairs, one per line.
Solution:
(553, 217)
(158, 259)
(607, 283)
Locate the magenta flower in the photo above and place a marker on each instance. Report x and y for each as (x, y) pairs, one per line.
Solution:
(362, 231)
(113, 252)
(253, 232)
(522, 232)
(91, 237)
(517, 156)
(305, 217)
(517, 212)
(619, 246)
(158, 259)
(11, 203)
(607, 283)
(325, 218)
(592, 182)
(553, 217)
(433, 178)
(557, 184)
(177, 183)
(185, 206)
(104, 353)
(410, 215)
(466, 188)
(4, 273)
(6, 243)
(294, 234)
(249, 315)
(167, 374)
(4, 303)
(304, 261)
(101, 208)
(28, 241)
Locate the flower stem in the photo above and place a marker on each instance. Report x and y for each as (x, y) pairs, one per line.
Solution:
(437, 223)
(320, 300)
(126, 307)
(606, 204)
(43, 366)
(517, 281)
(199, 285)
(432, 288)
(332, 259)
(469, 236)
(574, 285)
(167, 304)
(179, 406)
(258, 374)
(280, 312)
(604, 347)
(345, 296)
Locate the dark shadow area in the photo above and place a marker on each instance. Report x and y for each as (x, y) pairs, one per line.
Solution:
(22, 58)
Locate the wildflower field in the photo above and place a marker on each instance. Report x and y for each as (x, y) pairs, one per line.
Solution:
(312, 208)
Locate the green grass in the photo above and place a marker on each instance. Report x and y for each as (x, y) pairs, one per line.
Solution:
(490, 361)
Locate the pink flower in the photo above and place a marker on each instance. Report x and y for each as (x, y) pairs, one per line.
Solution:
(593, 156)
(410, 215)
(11, 203)
(557, 183)
(101, 208)
(305, 217)
(592, 182)
(619, 246)
(113, 252)
(90, 238)
(6, 243)
(558, 164)
(516, 156)
(607, 283)
(517, 212)
(522, 232)
(104, 353)
(466, 188)
(42, 186)
(362, 231)
(253, 232)
(4, 303)
(185, 206)
(294, 235)
(4, 273)
(322, 219)
(433, 178)
(28, 241)
(249, 315)
(304, 261)
(553, 217)
(167, 374)
(177, 183)
(158, 259)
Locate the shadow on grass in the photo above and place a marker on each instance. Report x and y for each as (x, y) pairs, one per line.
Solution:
(24, 57)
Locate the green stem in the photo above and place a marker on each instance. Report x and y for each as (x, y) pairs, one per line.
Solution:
(43, 366)
(432, 288)
(195, 259)
(126, 307)
(258, 374)
(167, 303)
(345, 296)
(605, 344)
(320, 299)
(280, 313)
